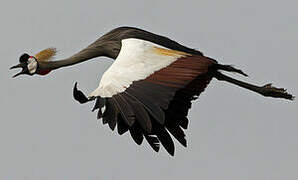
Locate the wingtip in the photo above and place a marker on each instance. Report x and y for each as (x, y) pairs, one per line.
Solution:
(79, 95)
(184, 143)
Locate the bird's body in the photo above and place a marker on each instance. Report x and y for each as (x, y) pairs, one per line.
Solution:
(149, 88)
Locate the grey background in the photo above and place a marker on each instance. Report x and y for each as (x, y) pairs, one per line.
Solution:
(233, 133)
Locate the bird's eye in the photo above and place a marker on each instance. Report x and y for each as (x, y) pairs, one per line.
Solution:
(24, 58)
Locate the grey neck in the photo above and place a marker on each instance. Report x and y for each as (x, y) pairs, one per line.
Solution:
(82, 56)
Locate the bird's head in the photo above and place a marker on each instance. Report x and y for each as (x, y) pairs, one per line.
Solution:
(30, 64)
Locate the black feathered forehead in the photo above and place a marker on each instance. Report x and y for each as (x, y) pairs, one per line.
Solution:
(24, 58)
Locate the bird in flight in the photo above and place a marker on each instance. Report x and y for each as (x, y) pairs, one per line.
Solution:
(149, 88)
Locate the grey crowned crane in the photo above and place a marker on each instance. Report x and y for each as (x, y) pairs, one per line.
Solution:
(149, 88)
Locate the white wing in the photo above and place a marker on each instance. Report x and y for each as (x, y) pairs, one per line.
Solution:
(137, 60)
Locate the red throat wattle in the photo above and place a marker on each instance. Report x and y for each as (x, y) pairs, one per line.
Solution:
(43, 72)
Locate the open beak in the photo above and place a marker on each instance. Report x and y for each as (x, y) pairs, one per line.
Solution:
(21, 65)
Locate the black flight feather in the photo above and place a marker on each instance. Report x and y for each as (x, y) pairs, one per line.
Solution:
(165, 138)
(141, 114)
(152, 108)
(153, 142)
(99, 103)
(125, 109)
(136, 133)
(110, 115)
(122, 127)
(178, 133)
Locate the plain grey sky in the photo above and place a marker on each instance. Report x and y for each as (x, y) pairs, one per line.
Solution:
(233, 133)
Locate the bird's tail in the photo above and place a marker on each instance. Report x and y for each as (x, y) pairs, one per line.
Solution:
(266, 90)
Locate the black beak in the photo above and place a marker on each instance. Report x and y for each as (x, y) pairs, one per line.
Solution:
(21, 65)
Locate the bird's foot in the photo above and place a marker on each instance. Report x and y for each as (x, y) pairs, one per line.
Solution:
(271, 91)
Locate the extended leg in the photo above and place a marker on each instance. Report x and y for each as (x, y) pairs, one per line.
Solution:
(266, 90)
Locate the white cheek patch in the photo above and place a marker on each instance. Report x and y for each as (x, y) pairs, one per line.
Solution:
(32, 65)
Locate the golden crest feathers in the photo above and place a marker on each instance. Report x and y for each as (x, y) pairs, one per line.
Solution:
(46, 54)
